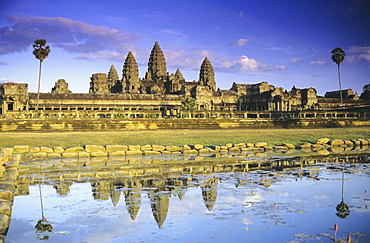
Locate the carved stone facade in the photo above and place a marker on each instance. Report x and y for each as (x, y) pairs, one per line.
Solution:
(164, 92)
(61, 87)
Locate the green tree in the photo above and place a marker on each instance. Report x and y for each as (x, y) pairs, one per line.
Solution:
(41, 51)
(366, 94)
(338, 58)
(188, 104)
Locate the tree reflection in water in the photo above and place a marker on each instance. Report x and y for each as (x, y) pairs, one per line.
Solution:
(342, 208)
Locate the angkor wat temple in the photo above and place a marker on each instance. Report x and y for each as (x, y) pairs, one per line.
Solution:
(160, 94)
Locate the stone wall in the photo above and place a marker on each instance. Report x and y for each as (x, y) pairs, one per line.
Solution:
(173, 123)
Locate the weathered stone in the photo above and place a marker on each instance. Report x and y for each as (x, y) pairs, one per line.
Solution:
(279, 148)
(98, 154)
(94, 148)
(147, 147)
(191, 151)
(260, 144)
(58, 150)
(356, 142)
(53, 155)
(196, 146)
(7, 195)
(47, 150)
(223, 147)
(69, 154)
(6, 207)
(215, 147)
(134, 152)
(229, 145)
(82, 154)
(35, 149)
(186, 147)
(322, 141)
(250, 145)
(60, 87)
(115, 148)
(74, 149)
(348, 143)
(240, 145)
(134, 148)
(4, 223)
(173, 148)
(289, 145)
(337, 149)
(21, 149)
(165, 152)
(117, 153)
(336, 142)
(7, 151)
(234, 150)
(151, 152)
(203, 151)
(158, 148)
(305, 145)
(363, 141)
(323, 151)
(40, 154)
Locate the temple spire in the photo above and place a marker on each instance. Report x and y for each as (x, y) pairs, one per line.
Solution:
(130, 75)
(157, 70)
(207, 75)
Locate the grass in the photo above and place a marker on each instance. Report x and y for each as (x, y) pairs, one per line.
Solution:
(179, 137)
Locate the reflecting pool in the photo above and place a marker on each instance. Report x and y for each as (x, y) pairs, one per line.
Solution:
(226, 200)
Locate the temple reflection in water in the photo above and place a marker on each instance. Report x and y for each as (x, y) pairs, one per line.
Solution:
(110, 180)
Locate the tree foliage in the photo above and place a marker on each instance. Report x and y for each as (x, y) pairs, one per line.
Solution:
(366, 94)
(188, 103)
(40, 49)
(338, 58)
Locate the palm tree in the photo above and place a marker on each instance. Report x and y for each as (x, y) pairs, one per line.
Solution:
(41, 51)
(338, 57)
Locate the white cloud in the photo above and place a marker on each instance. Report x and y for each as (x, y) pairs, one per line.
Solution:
(240, 42)
(3, 80)
(67, 34)
(295, 61)
(319, 62)
(357, 54)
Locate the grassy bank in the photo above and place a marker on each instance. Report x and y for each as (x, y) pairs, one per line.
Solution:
(179, 137)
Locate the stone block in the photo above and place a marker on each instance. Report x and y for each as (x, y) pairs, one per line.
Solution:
(305, 145)
(74, 149)
(7, 151)
(229, 145)
(240, 145)
(94, 148)
(58, 150)
(191, 151)
(40, 154)
(151, 152)
(117, 153)
(322, 141)
(196, 146)
(21, 149)
(158, 147)
(186, 147)
(250, 145)
(224, 147)
(336, 142)
(115, 148)
(69, 154)
(98, 154)
(165, 152)
(269, 148)
(6, 207)
(348, 143)
(215, 147)
(356, 142)
(146, 147)
(134, 152)
(289, 145)
(47, 150)
(53, 155)
(4, 223)
(203, 151)
(363, 141)
(35, 150)
(260, 144)
(234, 150)
(7, 195)
(173, 148)
(82, 154)
(134, 148)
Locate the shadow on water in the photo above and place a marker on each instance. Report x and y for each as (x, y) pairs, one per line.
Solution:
(192, 199)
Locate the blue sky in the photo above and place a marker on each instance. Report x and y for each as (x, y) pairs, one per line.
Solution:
(285, 43)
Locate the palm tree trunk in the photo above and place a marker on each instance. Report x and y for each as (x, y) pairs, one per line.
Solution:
(38, 88)
(340, 86)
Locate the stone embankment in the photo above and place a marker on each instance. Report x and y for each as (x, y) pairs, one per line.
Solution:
(11, 157)
(321, 146)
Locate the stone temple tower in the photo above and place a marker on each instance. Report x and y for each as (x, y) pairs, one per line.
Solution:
(130, 75)
(113, 80)
(157, 70)
(207, 75)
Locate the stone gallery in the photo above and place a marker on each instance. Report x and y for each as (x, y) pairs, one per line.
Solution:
(161, 94)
